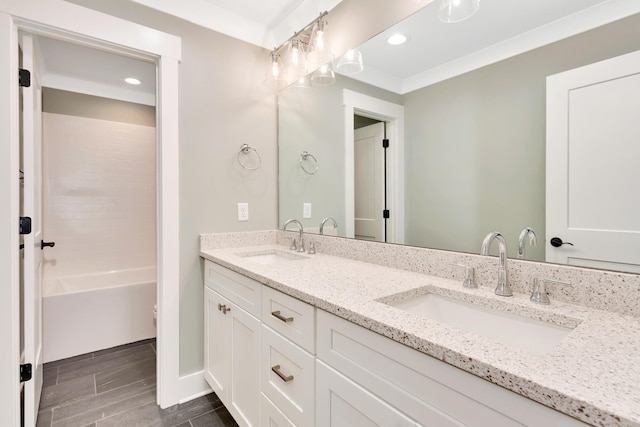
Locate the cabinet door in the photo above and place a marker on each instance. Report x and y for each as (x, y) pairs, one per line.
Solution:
(271, 416)
(244, 352)
(341, 402)
(216, 343)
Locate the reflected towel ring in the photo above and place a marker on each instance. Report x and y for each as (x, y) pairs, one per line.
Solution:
(245, 152)
(311, 162)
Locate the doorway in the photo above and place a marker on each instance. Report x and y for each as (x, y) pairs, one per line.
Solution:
(392, 115)
(69, 22)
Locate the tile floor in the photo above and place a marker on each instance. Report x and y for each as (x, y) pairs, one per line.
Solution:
(117, 387)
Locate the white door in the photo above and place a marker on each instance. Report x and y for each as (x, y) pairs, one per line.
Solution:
(32, 207)
(593, 134)
(369, 182)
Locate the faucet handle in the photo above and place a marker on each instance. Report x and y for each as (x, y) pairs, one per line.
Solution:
(469, 280)
(312, 249)
(293, 246)
(539, 293)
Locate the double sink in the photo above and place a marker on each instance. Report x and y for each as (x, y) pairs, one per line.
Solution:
(531, 335)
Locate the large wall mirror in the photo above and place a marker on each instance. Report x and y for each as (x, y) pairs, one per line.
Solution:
(467, 104)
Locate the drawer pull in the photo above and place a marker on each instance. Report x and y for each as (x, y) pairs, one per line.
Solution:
(281, 317)
(283, 377)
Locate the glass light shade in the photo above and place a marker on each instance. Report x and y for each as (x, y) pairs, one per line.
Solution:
(457, 10)
(350, 62)
(295, 66)
(303, 82)
(319, 51)
(323, 76)
(275, 78)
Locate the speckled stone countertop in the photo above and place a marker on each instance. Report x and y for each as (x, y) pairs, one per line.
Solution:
(593, 374)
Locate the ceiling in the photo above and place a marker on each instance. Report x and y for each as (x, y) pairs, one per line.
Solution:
(435, 51)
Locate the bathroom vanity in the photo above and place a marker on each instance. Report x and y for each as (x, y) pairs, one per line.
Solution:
(301, 339)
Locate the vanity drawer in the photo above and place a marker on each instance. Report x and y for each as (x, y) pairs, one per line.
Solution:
(241, 290)
(288, 377)
(290, 317)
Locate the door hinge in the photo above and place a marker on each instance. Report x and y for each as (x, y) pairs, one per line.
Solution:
(385, 143)
(25, 225)
(385, 214)
(25, 78)
(26, 372)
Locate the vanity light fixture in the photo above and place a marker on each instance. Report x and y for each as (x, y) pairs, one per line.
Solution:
(350, 62)
(457, 10)
(397, 39)
(132, 81)
(305, 50)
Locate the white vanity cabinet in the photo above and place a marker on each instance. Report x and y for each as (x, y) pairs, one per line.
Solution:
(232, 341)
(424, 389)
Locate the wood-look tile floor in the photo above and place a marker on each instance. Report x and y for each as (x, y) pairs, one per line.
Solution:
(117, 387)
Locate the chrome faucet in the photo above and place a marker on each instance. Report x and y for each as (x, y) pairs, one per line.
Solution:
(295, 221)
(503, 288)
(324, 221)
(526, 232)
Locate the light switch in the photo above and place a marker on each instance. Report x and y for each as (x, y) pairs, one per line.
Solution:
(306, 210)
(243, 211)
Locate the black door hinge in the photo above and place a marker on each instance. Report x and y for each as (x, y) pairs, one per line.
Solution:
(26, 372)
(385, 143)
(25, 78)
(385, 214)
(25, 225)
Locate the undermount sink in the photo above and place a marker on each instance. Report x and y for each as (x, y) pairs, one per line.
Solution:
(533, 336)
(270, 256)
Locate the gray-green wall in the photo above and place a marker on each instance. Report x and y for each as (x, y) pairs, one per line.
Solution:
(306, 123)
(223, 104)
(81, 105)
(475, 144)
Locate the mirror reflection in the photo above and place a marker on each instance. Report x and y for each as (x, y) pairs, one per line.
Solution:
(470, 134)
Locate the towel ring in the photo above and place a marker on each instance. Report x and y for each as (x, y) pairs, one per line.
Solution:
(311, 162)
(245, 152)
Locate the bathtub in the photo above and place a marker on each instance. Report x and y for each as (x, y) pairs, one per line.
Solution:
(86, 313)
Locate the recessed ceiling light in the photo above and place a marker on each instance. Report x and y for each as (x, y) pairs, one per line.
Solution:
(132, 81)
(397, 39)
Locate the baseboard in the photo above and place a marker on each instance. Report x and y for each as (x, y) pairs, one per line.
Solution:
(193, 386)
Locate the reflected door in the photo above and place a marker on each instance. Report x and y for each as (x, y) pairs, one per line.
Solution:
(369, 183)
(593, 147)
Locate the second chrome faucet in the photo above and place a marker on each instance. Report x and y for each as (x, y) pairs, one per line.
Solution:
(502, 288)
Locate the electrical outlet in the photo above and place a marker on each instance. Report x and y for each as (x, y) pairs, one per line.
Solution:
(306, 210)
(243, 211)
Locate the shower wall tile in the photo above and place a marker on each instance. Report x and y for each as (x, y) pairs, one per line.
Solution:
(99, 203)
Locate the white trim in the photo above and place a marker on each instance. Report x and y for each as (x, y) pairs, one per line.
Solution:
(59, 19)
(393, 114)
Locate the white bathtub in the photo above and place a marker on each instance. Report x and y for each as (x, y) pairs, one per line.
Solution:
(81, 314)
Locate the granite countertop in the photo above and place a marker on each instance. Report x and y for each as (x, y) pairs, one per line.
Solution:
(593, 374)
